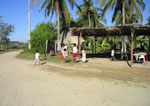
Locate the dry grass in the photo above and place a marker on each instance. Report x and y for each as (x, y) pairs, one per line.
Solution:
(106, 70)
(99, 68)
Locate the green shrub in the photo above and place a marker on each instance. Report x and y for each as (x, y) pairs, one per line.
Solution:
(43, 32)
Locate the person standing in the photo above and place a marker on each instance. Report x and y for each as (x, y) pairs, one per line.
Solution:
(65, 54)
(37, 57)
(113, 55)
(83, 55)
(62, 51)
(75, 52)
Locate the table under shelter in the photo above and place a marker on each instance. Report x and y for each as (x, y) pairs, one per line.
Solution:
(131, 30)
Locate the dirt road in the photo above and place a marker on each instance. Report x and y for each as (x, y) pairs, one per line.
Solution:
(23, 84)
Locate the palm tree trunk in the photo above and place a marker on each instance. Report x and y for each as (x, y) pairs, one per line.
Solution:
(58, 33)
(89, 19)
(123, 51)
(123, 12)
(131, 13)
(29, 25)
(58, 30)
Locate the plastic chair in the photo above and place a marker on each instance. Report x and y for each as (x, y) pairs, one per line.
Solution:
(142, 57)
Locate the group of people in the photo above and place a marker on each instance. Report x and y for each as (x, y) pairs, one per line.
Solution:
(64, 54)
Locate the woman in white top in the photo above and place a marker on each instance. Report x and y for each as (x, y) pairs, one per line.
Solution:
(75, 52)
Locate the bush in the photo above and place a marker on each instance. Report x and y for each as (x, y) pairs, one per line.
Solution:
(43, 32)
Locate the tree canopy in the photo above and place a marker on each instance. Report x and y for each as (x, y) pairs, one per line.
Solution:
(5, 31)
(148, 21)
(41, 33)
(131, 7)
(89, 15)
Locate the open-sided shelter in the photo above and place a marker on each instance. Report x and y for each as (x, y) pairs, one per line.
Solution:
(124, 30)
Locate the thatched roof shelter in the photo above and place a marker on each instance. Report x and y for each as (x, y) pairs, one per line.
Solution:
(124, 30)
(112, 31)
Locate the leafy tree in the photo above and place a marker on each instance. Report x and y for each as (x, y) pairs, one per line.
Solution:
(144, 43)
(5, 32)
(63, 27)
(60, 8)
(43, 32)
(104, 45)
(89, 15)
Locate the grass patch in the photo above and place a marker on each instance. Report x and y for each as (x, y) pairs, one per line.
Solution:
(7, 50)
(29, 55)
(57, 58)
(92, 69)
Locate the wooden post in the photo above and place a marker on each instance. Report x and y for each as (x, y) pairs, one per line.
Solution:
(92, 47)
(80, 46)
(29, 25)
(46, 48)
(132, 43)
(149, 43)
(95, 45)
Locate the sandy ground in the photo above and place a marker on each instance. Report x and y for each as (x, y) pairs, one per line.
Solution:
(23, 84)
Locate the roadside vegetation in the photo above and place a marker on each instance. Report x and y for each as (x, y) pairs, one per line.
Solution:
(30, 55)
(6, 45)
(88, 15)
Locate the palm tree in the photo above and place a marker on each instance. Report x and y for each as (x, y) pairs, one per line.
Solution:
(148, 21)
(61, 10)
(119, 6)
(134, 6)
(128, 19)
(89, 14)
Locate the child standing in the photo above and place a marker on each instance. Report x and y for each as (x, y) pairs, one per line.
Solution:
(37, 57)
(83, 55)
(112, 55)
(62, 51)
(65, 54)
(75, 52)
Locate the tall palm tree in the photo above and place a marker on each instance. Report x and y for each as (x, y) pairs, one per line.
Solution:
(119, 6)
(148, 23)
(90, 13)
(60, 8)
(135, 6)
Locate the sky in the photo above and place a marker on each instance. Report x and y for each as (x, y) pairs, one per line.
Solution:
(15, 12)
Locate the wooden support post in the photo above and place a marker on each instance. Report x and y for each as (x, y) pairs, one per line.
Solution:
(149, 43)
(29, 25)
(132, 45)
(92, 47)
(80, 46)
(46, 45)
(95, 44)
